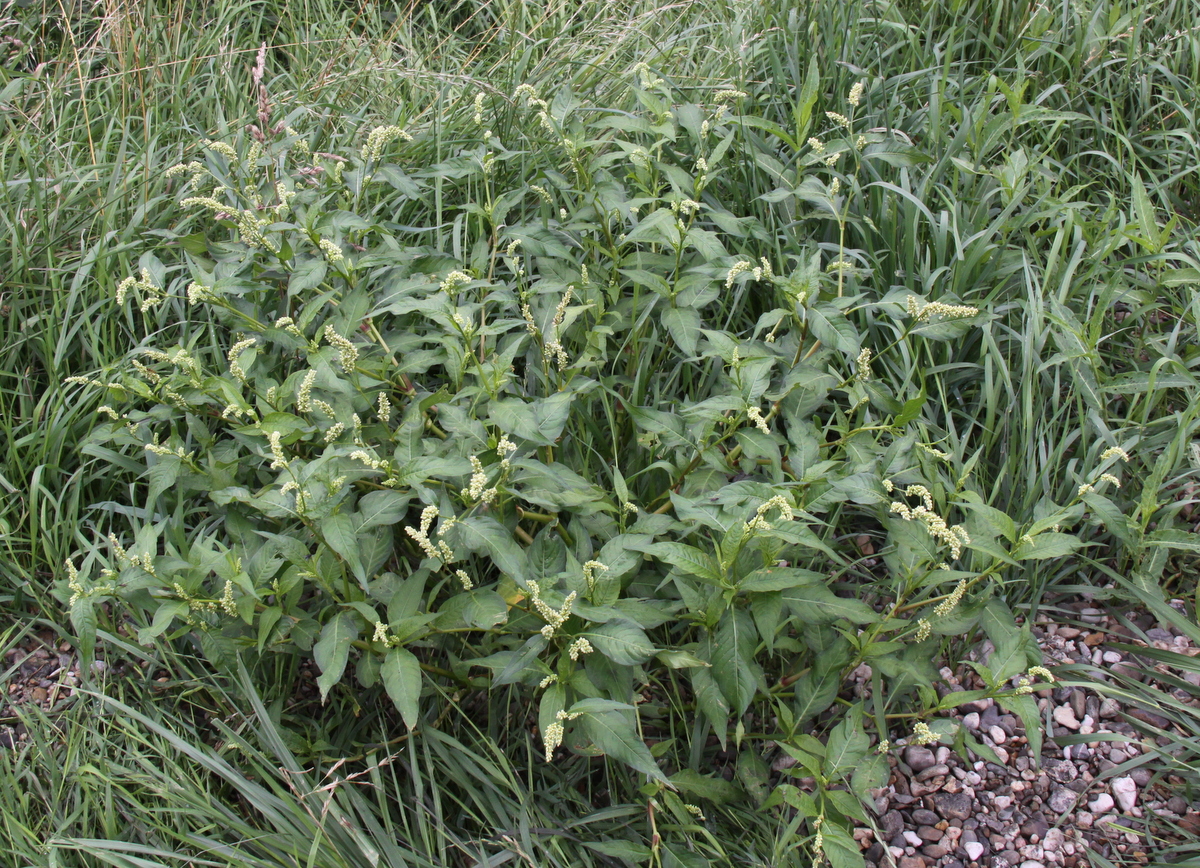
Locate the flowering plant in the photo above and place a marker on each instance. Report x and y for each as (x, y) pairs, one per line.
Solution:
(544, 452)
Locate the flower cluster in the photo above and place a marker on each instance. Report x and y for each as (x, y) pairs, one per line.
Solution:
(554, 618)
(589, 573)
(477, 489)
(234, 357)
(151, 294)
(578, 647)
(554, 348)
(949, 604)
(421, 536)
(755, 415)
(378, 139)
(954, 536)
(347, 352)
(862, 365)
(922, 734)
(856, 93)
(553, 736)
(923, 312)
(759, 522)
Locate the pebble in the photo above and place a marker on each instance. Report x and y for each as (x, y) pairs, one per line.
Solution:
(1103, 802)
(923, 817)
(974, 850)
(1060, 771)
(1124, 790)
(971, 721)
(913, 838)
(1053, 841)
(1064, 716)
(912, 862)
(919, 758)
(1111, 657)
(997, 735)
(1109, 707)
(1061, 800)
(930, 834)
(954, 806)
(933, 771)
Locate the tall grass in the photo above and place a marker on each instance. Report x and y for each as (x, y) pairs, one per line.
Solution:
(1053, 180)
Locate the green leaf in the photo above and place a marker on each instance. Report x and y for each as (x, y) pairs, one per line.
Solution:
(540, 421)
(815, 691)
(847, 745)
(732, 656)
(307, 275)
(715, 789)
(521, 661)
(840, 848)
(630, 851)
(689, 559)
(870, 774)
(484, 533)
(1047, 545)
(379, 508)
(711, 701)
(683, 324)
(615, 733)
(401, 674)
(333, 649)
(831, 328)
(817, 604)
(1180, 540)
(166, 614)
(1026, 708)
(84, 620)
(779, 579)
(621, 642)
(1009, 658)
(338, 532)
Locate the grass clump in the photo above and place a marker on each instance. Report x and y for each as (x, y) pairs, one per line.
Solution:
(507, 387)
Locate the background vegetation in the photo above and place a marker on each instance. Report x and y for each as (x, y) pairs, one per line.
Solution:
(1036, 162)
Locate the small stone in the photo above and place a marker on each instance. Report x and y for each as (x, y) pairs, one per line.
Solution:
(1141, 776)
(1111, 657)
(954, 806)
(1068, 632)
(933, 771)
(1064, 716)
(912, 862)
(913, 838)
(1084, 820)
(997, 735)
(971, 721)
(1102, 803)
(891, 823)
(1002, 803)
(919, 758)
(1032, 864)
(1177, 804)
(38, 694)
(1001, 754)
(1125, 791)
(935, 851)
(1035, 826)
(1053, 841)
(1061, 800)
(1149, 717)
(923, 817)
(930, 834)
(1060, 771)
(974, 850)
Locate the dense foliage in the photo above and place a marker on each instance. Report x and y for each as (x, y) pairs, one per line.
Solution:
(557, 412)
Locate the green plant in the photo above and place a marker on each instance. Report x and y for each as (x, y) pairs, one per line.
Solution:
(535, 458)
